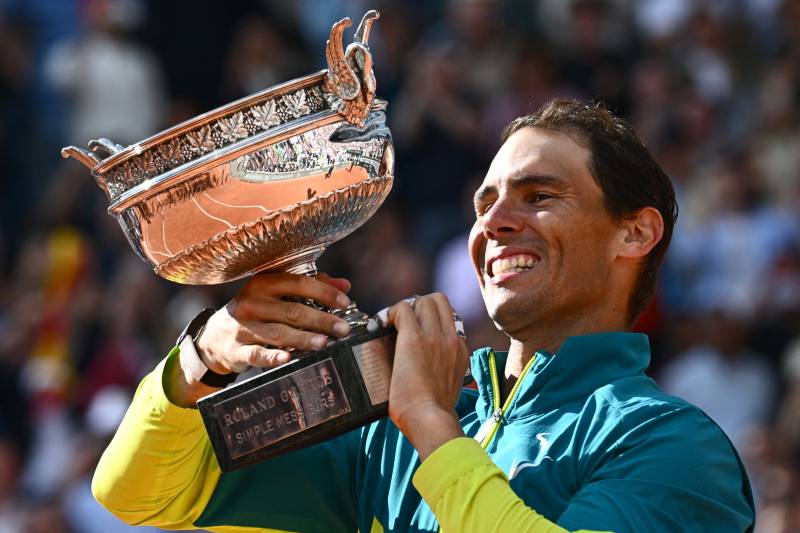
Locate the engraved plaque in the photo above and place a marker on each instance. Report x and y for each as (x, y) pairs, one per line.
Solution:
(275, 410)
(375, 363)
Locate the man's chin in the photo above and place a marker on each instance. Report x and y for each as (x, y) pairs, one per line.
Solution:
(508, 313)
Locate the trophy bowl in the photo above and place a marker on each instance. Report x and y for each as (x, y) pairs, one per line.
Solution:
(264, 183)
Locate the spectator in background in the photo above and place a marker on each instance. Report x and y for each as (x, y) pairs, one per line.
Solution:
(259, 58)
(11, 515)
(733, 385)
(534, 81)
(436, 124)
(735, 245)
(776, 142)
(772, 452)
(115, 84)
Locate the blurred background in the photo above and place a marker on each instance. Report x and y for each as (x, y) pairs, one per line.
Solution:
(713, 87)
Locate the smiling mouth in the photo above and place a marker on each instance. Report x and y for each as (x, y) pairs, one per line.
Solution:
(511, 263)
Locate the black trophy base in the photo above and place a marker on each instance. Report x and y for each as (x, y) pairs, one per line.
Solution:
(313, 398)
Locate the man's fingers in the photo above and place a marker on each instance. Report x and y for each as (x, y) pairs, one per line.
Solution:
(445, 312)
(283, 336)
(342, 284)
(428, 315)
(260, 356)
(284, 284)
(402, 317)
(295, 314)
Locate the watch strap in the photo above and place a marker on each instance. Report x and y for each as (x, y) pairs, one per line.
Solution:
(190, 360)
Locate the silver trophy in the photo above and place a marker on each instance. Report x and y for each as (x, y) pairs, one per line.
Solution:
(266, 183)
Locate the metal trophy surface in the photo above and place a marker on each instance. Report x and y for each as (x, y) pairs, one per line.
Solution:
(266, 183)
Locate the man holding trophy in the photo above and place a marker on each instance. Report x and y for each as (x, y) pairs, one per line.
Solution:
(565, 432)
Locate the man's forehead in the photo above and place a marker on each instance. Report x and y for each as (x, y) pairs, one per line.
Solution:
(531, 151)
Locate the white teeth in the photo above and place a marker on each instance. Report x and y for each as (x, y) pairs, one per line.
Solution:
(516, 263)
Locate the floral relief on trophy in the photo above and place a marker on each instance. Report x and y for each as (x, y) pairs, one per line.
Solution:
(296, 105)
(230, 129)
(171, 154)
(225, 131)
(265, 116)
(199, 141)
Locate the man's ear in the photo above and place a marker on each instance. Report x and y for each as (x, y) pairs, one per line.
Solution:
(639, 233)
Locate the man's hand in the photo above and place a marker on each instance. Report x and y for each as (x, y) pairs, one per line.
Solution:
(258, 324)
(429, 365)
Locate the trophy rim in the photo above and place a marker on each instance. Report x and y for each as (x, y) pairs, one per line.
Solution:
(219, 156)
(209, 116)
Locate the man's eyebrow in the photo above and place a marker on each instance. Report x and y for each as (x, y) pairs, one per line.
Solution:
(548, 180)
(482, 193)
(522, 180)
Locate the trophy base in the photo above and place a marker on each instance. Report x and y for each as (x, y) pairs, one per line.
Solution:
(311, 399)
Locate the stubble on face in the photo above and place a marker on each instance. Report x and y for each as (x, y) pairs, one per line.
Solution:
(539, 200)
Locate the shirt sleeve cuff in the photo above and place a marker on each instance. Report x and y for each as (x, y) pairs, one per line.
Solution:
(447, 464)
(154, 387)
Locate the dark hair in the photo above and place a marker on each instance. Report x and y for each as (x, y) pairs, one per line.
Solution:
(624, 169)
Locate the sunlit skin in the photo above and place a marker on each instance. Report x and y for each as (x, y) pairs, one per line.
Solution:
(539, 199)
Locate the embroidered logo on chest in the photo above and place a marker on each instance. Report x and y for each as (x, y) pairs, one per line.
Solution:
(519, 466)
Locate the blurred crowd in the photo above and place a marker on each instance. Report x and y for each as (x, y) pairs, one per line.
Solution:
(712, 86)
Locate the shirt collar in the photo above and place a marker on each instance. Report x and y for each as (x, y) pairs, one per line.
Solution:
(582, 365)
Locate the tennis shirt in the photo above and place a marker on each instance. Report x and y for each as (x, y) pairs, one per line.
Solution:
(585, 441)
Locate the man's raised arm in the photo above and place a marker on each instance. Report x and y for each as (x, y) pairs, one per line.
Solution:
(160, 468)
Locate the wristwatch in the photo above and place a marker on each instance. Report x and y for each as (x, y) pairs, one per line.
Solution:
(190, 359)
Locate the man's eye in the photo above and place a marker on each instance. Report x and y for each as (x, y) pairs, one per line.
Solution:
(482, 209)
(539, 197)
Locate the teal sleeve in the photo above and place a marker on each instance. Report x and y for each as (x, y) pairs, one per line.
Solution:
(653, 479)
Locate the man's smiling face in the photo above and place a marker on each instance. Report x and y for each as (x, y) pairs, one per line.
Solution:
(541, 238)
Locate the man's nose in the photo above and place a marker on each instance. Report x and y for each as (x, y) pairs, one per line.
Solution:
(502, 218)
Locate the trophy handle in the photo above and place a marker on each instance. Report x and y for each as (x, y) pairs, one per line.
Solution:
(106, 145)
(99, 150)
(92, 157)
(89, 159)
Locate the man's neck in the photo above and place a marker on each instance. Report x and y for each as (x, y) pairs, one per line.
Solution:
(525, 344)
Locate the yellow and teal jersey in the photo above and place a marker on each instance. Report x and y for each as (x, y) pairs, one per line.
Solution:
(584, 441)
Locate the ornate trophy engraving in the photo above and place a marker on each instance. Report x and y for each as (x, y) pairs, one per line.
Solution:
(266, 183)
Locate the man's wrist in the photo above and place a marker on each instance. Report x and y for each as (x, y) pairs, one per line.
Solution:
(427, 428)
(194, 359)
(202, 345)
(178, 388)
